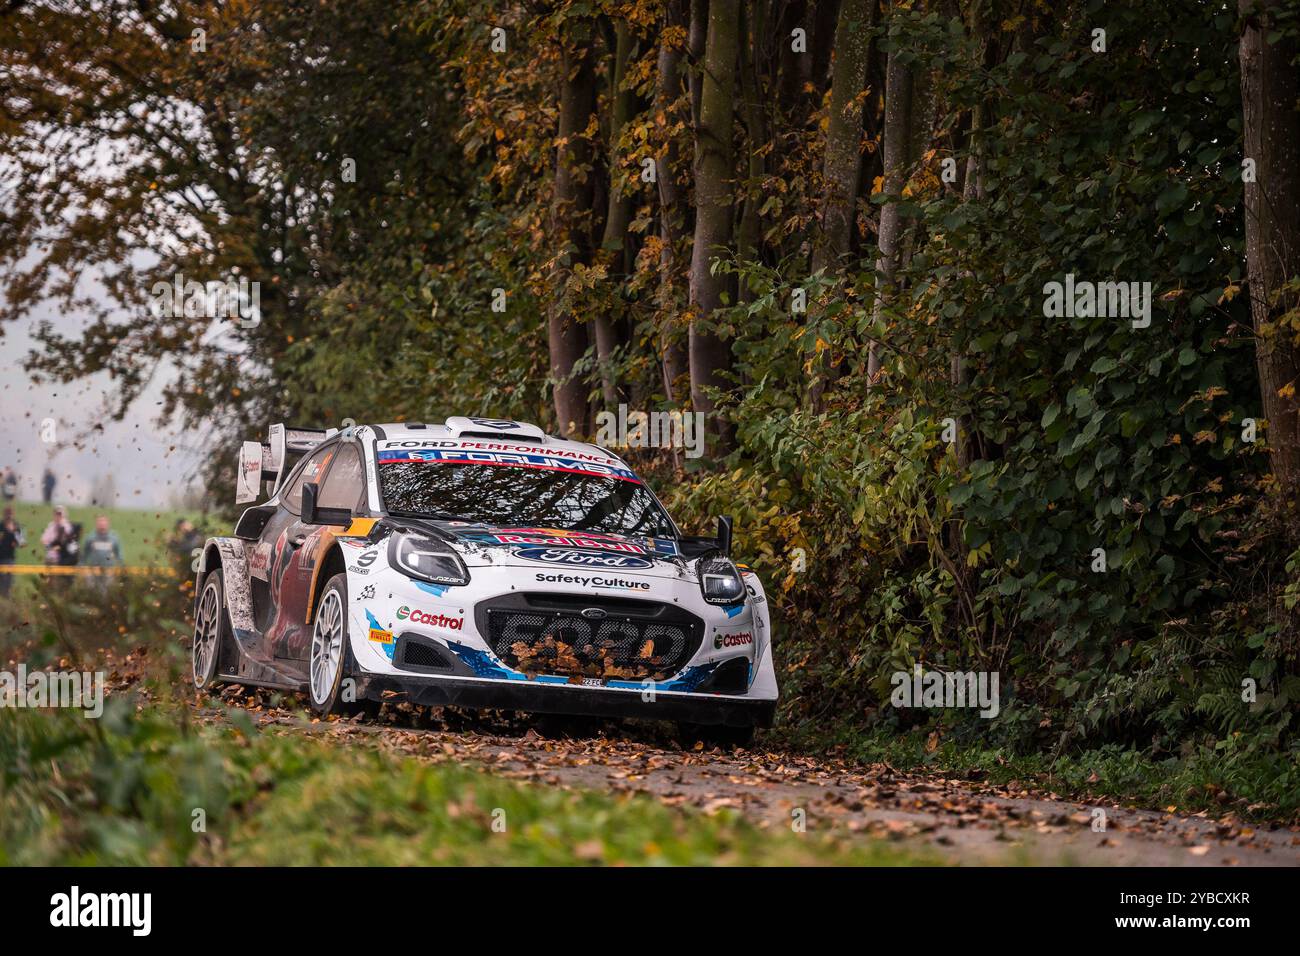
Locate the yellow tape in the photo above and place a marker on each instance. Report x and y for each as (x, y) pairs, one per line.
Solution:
(81, 569)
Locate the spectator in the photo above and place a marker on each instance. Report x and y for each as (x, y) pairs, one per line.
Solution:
(103, 549)
(11, 539)
(9, 484)
(72, 546)
(60, 539)
(48, 482)
(185, 538)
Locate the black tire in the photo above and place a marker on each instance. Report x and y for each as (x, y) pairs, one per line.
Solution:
(715, 735)
(326, 681)
(213, 638)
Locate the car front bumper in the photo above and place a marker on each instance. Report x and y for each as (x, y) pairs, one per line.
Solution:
(705, 709)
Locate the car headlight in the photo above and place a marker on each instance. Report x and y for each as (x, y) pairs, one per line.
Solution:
(427, 559)
(720, 582)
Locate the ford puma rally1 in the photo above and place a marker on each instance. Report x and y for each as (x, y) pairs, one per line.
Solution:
(479, 563)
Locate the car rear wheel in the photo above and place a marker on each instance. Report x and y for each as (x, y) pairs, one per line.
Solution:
(328, 663)
(211, 631)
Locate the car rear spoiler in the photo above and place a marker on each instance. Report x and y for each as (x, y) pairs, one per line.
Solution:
(264, 461)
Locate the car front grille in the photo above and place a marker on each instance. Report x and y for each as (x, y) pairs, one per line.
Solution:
(548, 634)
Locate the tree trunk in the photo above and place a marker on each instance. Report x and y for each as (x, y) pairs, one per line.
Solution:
(843, 159)
(672, 211)
(1269, 91)
(570, 210)
(897, 142)
(695, 40)
(844, 132)
(748, 235)
(710, 356)
(972, 190)
(614, 241)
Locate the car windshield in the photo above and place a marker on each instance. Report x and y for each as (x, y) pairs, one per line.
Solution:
(520, 495)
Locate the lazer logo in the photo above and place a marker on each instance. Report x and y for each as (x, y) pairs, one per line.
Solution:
(732, 640)
(417, 616)
(582, 559)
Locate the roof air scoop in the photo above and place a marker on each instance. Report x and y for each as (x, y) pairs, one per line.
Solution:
(458, 426)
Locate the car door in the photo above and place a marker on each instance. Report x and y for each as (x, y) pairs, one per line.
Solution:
(341, 480)
(290, 565)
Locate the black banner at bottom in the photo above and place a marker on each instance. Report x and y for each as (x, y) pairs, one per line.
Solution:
(335, 905)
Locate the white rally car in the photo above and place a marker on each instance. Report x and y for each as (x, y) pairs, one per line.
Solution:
(480, 563)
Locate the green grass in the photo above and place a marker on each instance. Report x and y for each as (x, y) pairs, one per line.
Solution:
(128, 789)
(144, 533)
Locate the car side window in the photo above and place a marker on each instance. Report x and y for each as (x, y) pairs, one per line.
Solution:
(345, 481)
(311, 471)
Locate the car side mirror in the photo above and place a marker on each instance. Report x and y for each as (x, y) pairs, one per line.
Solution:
(314, 514)
(724, 534)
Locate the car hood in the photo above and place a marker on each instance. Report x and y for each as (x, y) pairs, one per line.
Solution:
(482, 544)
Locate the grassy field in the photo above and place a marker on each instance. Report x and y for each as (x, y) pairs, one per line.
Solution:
(143, 533)
(142, 788)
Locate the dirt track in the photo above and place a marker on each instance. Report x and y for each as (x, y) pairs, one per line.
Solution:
(955, 820)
